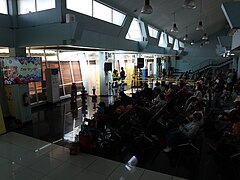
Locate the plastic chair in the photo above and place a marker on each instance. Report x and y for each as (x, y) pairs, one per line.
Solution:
(189, 141)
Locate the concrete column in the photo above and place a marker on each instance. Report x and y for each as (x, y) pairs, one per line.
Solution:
(235, 62)
(155, 67)
(238, 67)
(3, 99)
(103, 75)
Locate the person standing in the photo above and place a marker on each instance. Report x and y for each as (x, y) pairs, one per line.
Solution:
(122, 74)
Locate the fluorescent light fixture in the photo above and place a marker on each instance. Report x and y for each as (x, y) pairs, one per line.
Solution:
(192, 42)
(147, 8)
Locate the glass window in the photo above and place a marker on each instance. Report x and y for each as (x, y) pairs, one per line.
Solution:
(153, 32)
(176, 45)
(163, 40)
(66, 72)
(45, 4)
(96, 10)
(102, 12)
(134, 31)
(76, 71)
(170, 39)
(181, 44)
(118, 18)
(26, 6)
(83, 6)
(3, 7)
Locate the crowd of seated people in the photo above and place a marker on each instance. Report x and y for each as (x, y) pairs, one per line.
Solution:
(177, 106)
(181, 110)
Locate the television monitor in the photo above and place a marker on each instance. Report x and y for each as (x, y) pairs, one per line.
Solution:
(21, 70)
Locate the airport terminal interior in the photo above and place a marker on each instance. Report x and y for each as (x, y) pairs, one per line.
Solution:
(120, 90)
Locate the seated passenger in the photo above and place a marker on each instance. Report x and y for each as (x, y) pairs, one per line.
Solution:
(234, 114)
(188, 130)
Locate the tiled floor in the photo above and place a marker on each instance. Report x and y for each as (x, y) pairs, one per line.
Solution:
(26, 158)
(56, 124)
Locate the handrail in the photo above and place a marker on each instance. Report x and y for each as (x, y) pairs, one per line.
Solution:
(204, 65)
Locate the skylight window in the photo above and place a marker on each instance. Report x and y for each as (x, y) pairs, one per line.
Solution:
(102, 12)
(153, 32)
(83, 6)
(176, 45)
(170, 39)
(181, 44)
(29, 6)
(97, 10)
(3, 7)
(163, 40)
(134, 31)
(118, 17)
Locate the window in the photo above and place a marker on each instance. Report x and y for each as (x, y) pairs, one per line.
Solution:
(26, 6)
(118, 18)
(153, 32)
(3, 7)
(176, 45)
(29, 6)
(163, 40)
(181, 44)
(83, 6)
(45, 4)
(134, 31)
(97, 10)
(102, 12)
(76, 71)
(170, 39)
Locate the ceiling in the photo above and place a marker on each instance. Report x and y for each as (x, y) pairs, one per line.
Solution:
(186, 19)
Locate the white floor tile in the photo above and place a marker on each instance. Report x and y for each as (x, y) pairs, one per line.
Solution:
(90, 175)
(29, 158)
(177, 178)
(48, 178)
(27, 142)
(65, 171)
(126, 173)
(7, 168)
(45, 164)
(103, 166)
(147, 175)
(3, 161)
(23, 157)
(82, 160)
(60, 153)
(25, 174)
(12, 152)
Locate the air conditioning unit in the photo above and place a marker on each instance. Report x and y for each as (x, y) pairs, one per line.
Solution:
(70, 18)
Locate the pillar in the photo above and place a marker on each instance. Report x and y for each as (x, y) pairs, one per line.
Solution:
(155, 67)
(235, 62)
(103, 75)
(238, 67)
